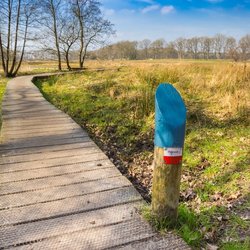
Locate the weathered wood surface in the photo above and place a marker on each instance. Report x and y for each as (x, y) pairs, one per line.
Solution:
(57, 188)
(166, 187)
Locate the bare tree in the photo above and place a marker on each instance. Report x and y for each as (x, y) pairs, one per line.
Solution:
(231, 50)
(171, 51)
(205, 46)
(196, 47)
(180, 45)
(157, 47)
(209, 44)
(189, 48)
(51, 21)
(144, 45)
(69, 34)
(16, 18)
(244, 45)
(127, 49)
(195, 43)
(107, 52)
(219, 45)
(93, 28)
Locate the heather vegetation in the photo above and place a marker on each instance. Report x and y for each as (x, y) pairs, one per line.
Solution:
(116, 106)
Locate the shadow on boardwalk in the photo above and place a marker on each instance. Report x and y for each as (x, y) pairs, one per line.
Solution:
(57, 188)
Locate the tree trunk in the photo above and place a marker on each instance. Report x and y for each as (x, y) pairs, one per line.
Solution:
(24, 44)
(2, 53)
(56, 35)
(67, 59)
(79, 16)
(81, 49)
(16, 36)
(8, 38)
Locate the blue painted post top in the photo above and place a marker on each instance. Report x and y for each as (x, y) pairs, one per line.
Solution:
(170, 117)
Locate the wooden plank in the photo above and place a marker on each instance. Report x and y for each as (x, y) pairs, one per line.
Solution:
(73, 205)
(54, 162)
(76, 177)
(48, 193)
(48, 155)
(21, 234)
(58, 189)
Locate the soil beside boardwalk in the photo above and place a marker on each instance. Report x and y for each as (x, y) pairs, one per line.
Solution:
(58, 190)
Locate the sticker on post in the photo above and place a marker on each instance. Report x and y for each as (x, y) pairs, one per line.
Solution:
(173, 155)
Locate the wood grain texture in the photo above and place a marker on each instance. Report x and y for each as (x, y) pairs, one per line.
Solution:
(58, 190)
(166, 187)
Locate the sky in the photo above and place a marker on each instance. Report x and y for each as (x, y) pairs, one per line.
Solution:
(136, 20)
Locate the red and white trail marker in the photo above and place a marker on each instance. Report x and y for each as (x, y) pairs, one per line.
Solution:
(173, 155)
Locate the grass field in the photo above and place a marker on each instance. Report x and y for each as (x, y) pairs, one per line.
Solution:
(3, 82)
(116, 105)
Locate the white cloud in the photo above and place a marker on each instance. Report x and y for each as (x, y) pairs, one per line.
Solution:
(150, 8)
(108, 12)
(167, 9)
(128, 11)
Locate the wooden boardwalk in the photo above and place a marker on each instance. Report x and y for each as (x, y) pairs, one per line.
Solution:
(58, 190)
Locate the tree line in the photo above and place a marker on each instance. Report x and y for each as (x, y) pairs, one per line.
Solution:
(58, 26)
(66, 30)
(216, 47)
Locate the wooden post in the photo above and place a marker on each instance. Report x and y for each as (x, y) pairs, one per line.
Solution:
(166, 186)
(170, 118)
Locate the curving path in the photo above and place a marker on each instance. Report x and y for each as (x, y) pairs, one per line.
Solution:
(58, 190)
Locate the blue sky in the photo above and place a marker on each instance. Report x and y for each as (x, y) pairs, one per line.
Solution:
(153, 19)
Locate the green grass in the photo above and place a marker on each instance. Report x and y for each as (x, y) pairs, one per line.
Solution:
(237, 245)
(3, 82)
(186, 225)
(193, 227)
(117, 109)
